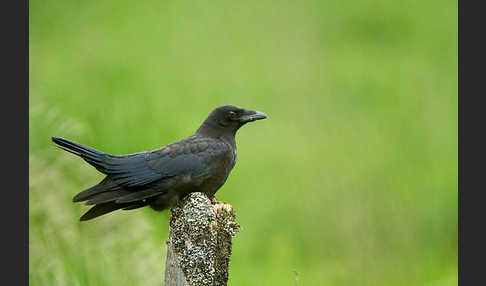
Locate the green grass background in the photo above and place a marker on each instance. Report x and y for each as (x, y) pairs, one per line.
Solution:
(352, 180)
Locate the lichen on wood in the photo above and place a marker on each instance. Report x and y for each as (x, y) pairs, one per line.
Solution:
(200, 242)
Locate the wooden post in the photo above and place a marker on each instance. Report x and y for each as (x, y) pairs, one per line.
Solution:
(199, 245)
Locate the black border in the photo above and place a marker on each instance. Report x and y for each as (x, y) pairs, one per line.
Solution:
(14, 22)
(471, 220)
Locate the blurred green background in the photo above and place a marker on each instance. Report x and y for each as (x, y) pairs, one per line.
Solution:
(351, 181)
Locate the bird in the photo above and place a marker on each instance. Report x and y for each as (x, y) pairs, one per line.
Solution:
(160, 178)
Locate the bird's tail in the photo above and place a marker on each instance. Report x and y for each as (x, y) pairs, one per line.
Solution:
(108, 195)
(92, 156)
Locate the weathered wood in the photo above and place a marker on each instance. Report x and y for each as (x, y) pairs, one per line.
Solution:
(200, 241)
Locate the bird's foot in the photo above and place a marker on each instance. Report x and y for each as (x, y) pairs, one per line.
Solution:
(214, 201)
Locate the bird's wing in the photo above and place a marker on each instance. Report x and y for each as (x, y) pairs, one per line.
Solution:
(130, 170)
(190, 156)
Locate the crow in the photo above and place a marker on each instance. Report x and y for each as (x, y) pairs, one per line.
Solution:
(160, 178)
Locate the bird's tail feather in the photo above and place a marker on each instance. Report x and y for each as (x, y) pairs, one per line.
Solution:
(108, 191)
(92, 156)
(101, 209)
(104, 186)
(108, 196)
(106, 200)
(138, 196)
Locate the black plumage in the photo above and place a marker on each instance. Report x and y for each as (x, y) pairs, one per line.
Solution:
(161, 177)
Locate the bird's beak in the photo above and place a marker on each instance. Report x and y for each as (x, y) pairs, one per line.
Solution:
(252, 115)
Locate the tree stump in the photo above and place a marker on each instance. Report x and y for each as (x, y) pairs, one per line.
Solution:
(199, 244)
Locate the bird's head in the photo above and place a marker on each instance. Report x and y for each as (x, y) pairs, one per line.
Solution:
(228, 119)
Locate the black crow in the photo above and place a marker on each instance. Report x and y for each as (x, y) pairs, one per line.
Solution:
(161, 177)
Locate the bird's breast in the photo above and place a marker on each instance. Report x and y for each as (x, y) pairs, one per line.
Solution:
(218, 174)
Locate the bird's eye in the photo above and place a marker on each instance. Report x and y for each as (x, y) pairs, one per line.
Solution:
(231, 114)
